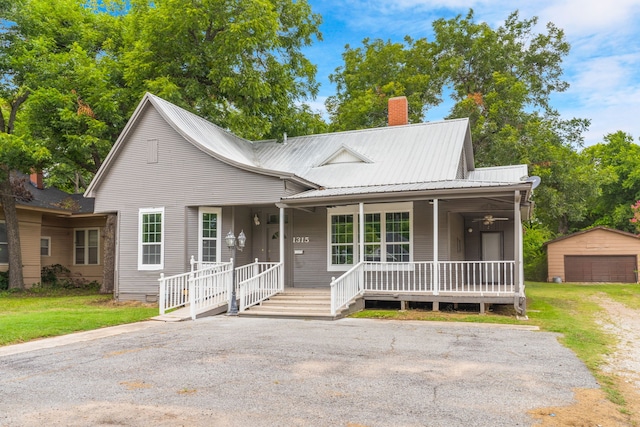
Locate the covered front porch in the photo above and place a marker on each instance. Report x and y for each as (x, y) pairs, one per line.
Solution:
(473, 258)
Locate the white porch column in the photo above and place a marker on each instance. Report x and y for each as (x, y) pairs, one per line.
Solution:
(361, 233)
(282, 237)
(436, 268)
(517, 245)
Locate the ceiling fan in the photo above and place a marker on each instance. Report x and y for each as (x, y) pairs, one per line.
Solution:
(489, 219)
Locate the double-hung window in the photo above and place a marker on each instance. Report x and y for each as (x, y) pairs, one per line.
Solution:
(4, 244)
(387, 234)
(86, 246)
(151, 239)
(209, 231)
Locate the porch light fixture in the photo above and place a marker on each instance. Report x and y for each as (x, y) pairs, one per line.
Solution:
(234, 243)
(470, 230)
(256, 219)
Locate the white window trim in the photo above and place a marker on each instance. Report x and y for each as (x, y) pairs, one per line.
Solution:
(7, 242)
(86, 248)
(382, 209)
(151, 267)
(217, 211)
(49, 245)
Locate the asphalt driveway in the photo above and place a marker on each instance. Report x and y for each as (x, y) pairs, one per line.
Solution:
(223, 371)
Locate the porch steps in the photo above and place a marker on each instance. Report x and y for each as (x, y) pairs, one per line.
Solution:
(298, 303)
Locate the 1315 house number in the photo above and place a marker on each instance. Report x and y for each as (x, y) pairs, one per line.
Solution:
(300, 240)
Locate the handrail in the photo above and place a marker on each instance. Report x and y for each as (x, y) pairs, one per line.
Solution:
(174, 290)
(262, 286)
(347, 287)
(209, 287)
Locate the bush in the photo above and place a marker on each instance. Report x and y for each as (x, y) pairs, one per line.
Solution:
(4, 280)
(59, 276)
(534, 253)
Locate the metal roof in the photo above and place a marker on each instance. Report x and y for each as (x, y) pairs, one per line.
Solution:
(396, 155)
(398, 158)
(513, 173)
(394, 188)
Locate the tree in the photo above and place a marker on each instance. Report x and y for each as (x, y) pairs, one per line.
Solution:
(617, 162)
(501, 79)
(380, 70)
(15, 153)
(237, 63)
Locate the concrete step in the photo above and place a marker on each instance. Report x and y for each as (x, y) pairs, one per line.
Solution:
(297, 303)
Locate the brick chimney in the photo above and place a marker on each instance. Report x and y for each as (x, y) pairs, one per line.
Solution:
(36, 179)
(398, 111)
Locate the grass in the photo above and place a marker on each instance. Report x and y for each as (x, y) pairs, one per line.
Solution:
(26, 316)
(568, 309)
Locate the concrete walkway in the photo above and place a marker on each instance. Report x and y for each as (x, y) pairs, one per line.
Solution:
(229, 371)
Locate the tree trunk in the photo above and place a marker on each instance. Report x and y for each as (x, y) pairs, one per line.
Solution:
(109, 233)
(8, 201)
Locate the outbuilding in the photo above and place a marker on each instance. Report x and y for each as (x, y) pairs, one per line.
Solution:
(599, 254)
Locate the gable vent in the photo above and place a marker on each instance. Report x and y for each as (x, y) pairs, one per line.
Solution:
(345, 155)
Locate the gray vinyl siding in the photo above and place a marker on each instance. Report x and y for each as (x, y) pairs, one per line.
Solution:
(182, 179)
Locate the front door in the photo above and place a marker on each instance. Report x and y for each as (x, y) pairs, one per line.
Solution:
(273, 243)
(492, 251)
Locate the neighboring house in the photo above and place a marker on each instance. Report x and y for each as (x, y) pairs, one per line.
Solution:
(55, 228)
(599, 254)
(406, 200)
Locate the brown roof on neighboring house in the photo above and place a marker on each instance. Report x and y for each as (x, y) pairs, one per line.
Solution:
(599, 227)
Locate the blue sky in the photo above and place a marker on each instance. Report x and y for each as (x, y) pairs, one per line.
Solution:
(603, 67)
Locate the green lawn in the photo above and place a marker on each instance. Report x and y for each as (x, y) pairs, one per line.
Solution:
(27, 316)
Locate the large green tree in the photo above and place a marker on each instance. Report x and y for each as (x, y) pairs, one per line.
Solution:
(380, 70)
(501, 79)
(617, 164)
(16, 153)
(238, 63)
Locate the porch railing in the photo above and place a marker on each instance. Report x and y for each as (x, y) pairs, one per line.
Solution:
(175, 291)
(474, 277)
(259, 281)
(209, 287)
(399, 276)
(477, 276)
(347, 287)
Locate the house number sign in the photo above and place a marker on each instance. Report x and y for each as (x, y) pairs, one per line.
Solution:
(301, 240)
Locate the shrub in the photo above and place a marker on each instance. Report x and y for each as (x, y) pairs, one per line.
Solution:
(4, 280)
(59, 276)
(534, 253)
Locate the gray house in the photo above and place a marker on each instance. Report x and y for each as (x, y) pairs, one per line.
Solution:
(393, 213)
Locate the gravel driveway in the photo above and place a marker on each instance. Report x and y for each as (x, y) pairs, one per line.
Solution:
(226, 371)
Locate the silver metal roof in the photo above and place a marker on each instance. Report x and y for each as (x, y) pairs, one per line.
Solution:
(398, 158)
(395, 188)
(396, 155)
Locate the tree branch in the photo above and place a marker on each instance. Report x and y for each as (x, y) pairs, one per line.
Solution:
(15, 105)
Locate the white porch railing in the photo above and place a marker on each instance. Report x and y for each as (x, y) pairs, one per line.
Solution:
(175, 290)
(347, 287)
(259, 281)
(209, 287)
(399, 276)
(470, 277)
(477, 276)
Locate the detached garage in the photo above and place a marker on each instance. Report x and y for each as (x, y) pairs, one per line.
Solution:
(599, 254)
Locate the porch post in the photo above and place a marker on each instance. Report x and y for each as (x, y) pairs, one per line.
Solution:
(282, 245)
(520, 301)
(517, 243)
(436, 268)
(361, 233)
